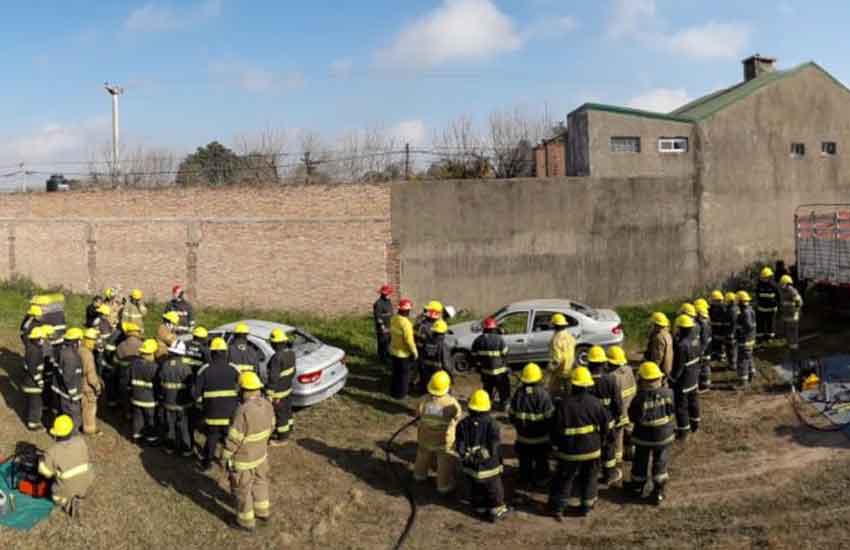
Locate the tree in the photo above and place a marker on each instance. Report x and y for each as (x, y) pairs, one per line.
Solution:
(511, 134)
(213, 164)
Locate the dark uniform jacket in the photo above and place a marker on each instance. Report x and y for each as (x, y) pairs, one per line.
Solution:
(143, 375)
(579, 427)
(34, 368)
(436, 353)
(281, 372)
(767, 295)
(477, 443)
(705, 335)
(216, 386)
(686, 361)
(242, 356)
(488, 352)
(731, 318)
(746, 328)
(91, 314)
(29, 322)
(422, 329)
(184, 310)
(531, 411)
(653, 414)
(175, 384)
(606, 390)
(382, 312)
(68, 379)
(719, 320)
(197, 354)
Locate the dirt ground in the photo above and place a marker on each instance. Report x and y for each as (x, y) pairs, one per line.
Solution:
(753, 477)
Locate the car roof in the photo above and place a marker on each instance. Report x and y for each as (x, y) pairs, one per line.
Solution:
(261, 329)
(543, 303)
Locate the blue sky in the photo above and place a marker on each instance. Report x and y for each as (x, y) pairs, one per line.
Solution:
(198, 70)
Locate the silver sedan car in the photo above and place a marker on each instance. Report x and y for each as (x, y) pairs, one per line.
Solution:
(320, 369)
(527, 330)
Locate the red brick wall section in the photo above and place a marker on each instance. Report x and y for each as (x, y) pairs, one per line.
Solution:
(318, 248)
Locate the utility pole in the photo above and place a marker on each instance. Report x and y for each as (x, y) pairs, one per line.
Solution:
(114, 91)
(406, 161)
(308, 167)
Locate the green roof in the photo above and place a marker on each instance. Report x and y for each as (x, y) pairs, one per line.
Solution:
(634, 112)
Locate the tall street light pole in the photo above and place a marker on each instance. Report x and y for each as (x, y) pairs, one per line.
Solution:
(114, 91)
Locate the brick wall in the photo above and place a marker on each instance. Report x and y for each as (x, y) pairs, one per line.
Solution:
(322, 248)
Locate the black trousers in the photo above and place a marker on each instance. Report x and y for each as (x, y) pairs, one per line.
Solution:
(383, 341)
(765, 321)
(716, 348)
(487, 495)
(34, 410)
(705, 372)
(533, 461)
(72, 408)
(575, 484)
(144, 422)
(283, 418)
(400, 382)
(687, 410)
(215, 435)
(178, 429)
(501, 384)
(730, 346)
(654, 457)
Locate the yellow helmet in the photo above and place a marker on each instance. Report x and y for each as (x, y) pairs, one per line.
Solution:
(200, 332)
(278, 336)
(731, 297)
(137, 294)
(74, 334)
(37, 333)
(659, 319)
(172, 317)
(716, 296)
(104, 309)
(616, 356)
(62, 426)
(702, 310)
(40, 300)
(109, 293)
(241, 328)
(766, 273)
(786, 280)
(700, 302)
(434, 305)
(650, 371)
(581, 377)
(684, 321)
(688, 309)
(597, 355)
(744, 297)
(148, 347)
(35, 311)
(218, 344)
(480, 401)
(439, 383)
(440, 327)
(49, 330)
(130, 328)
(559, 320)
(249, 381)
(91, 334)
(531, 374)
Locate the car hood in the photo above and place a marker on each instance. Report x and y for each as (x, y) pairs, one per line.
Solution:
(318, 359)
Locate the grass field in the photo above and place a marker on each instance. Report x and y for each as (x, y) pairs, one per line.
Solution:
(754, 477)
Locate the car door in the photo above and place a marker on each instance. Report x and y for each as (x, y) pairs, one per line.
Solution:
(514, 329)
(542, 332)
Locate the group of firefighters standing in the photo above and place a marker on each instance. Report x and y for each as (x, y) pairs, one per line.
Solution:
(173, 384)
(589, 419)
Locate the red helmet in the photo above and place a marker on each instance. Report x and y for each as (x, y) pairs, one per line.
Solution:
(489, 323)
(176, 290)
(433, 314)
(405, 304)
(386, 290)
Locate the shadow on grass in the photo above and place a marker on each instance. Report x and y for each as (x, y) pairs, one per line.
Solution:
(808, 437)
(10, 385)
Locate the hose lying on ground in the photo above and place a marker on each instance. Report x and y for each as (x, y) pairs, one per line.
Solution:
(408, 491)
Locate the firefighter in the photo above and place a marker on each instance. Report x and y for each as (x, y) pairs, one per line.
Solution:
(421, 332)
(792, 303)
(605, 389)
(242, 356)
(478, 444)
(489, 351)
(134, 310)
(66, 462)
(92, 385)
(531, 413)
(436, 354)
(179, 305)
(685, 377)
(706, 337)
(746, 338)
(92, 312)
(175, 384)
(402, 350)
(438, 415)
(624, 380)
(767, 304)
(198, 349)
(33, 384)
(719, 325)
(124, 355)
(281, 373)
(691, 311)
(31, 320)
(730, 342)
(216, 390)
(67, 382)
(166, 334)
(382, 313)
(578, 430)
(143, 375)
(245, 453)
(105, 343)
(562, 349)
(652, 413)
(659, 349)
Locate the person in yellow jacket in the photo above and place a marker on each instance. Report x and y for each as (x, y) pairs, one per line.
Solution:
(438, 416)
(562, 350)
(134, 310)
(66, 463)
(402, 350)
(92, 385)
(166, 334)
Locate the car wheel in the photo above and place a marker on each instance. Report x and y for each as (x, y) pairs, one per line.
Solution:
(461, 360)
(581, 355)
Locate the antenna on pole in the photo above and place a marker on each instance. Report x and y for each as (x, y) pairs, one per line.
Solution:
(114, 91)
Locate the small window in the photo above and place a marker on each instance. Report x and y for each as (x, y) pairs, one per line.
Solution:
(798, 150)
(828, 148)
(514, 323)
(673, 145)
(625, 145)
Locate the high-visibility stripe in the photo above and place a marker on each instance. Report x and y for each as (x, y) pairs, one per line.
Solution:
(437, 422)
(174, 385)
(31, 390)
(483, 474)
(175, 408)
(74, 472)
(257, 437)
(246, 516)
(663, 421)
(262, 505)
(489, 353)
(241, 466)
(529, 417)
(284, 428)
(606, 401)
(242, 367)
(217, 421)
(692, 362)
(287, 372)
(766, 309)
(279, 394)
(532, 440)
(494, 372)
(578, 457)
(610, 463)
(628, 392)
(581, 430)
(235, 435)
(143, 404)
(648, 405)
(690, 388)
(141, 383)
(220, 393)
(645, 443)
(44, 470)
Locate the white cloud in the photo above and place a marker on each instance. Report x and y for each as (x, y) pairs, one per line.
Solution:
(413, 132)
(341, 68)
(56, 142)
(660, 100)
(630, 16)
(252, 78)
(154, 17)
(549, 27)
(711, 40)
(457, 30)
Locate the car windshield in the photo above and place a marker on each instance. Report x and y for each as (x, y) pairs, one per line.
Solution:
(584, 310)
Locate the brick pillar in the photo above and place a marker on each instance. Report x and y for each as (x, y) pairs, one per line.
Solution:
(91, 249)
(392, 255)
(193, 240)
(12, 267)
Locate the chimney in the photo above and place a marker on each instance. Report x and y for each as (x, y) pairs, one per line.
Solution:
(756, 65)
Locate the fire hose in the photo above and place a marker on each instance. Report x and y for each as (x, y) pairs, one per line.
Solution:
(408, 490)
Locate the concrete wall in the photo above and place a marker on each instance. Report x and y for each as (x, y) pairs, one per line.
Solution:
(749, 182)
(313, 248)
(481, 244)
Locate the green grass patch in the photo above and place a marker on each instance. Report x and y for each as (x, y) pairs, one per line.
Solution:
(636, 323)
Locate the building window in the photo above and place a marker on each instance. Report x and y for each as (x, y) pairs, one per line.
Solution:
(798, 150)
(673, 145)
(828, 148)
(625, 145)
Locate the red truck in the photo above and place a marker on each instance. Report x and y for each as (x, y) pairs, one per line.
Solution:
(822, 246)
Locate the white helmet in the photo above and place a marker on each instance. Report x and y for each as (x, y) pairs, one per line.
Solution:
(178, 348)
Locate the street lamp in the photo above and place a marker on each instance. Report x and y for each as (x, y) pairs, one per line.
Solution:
(114, 91)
